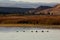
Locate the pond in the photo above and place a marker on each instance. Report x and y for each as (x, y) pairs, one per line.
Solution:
(16, 33)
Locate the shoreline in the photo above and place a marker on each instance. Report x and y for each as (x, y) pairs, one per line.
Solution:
(31, 26)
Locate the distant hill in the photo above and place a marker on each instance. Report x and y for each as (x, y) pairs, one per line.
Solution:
(44, 7)
(50, 11)
(13, 10)
(41, 10)
(36, 11)
(18, 10)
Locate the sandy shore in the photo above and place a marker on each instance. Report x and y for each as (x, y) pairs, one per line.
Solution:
(31, 25)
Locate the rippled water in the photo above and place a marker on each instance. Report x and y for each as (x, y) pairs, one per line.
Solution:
(29, 34)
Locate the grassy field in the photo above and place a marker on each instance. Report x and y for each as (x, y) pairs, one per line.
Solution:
(31, 26)
(37, 19)
(41, 21)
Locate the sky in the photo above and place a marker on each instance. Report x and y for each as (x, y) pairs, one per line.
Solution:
(28, 3)
(46, 1)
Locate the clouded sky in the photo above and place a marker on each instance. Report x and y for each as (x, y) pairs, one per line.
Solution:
(47, 1)
(39, 0)
(27, 3)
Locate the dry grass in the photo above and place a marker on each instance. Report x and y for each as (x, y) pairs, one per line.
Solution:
(31, 26)
(41, 21)
(37, 19)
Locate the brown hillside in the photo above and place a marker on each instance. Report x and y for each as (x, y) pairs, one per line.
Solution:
(37, 9)
(51, 11)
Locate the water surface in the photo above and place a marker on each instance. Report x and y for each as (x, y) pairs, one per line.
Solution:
(17, 33)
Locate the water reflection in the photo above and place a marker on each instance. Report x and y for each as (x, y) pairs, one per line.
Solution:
(29, 34)
(22, 29)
